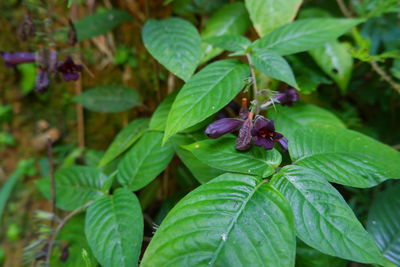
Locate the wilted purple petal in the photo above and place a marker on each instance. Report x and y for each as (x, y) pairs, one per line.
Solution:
(268, 144)
(52, 61)
(284, 143)
(14, 58)
(223, 126)
(287, 97)
(42, 81)
(243, 141)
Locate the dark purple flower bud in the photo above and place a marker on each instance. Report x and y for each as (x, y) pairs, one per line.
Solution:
(42, 81)
(243, 141)
(69, 69)
(264, 134)
(287, 97)
(15, 58)
(223, 126)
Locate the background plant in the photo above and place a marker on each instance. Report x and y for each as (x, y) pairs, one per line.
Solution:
(208, 203)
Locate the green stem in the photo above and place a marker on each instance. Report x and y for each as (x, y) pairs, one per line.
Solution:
(253, 78)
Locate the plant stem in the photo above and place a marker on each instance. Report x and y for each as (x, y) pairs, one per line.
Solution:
(253, 78)
(52, 179)
(346, 12)
(59, 228)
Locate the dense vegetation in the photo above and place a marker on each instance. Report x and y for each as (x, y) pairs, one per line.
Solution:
(200, 133)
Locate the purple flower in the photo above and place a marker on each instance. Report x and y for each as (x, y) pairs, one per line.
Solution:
(14, 58)
(69, 69)
(286, 97)
(223, 126)
(264, 134)
(42, 81)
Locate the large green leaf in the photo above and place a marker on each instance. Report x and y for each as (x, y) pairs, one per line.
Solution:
(221, 154)
(267, 15)
(207, 92)
(274, 66)
(201, 171)
(383, 222)
(231, 19)
(159, 119)
(175, 43)
(305, 34)
(125, 138)
(323, 219)
(344, 156)
(233, 220)
(289, 119)
(109, 98)
(100, 23)
(76, 186)
(144, 161)
(336, 61)
(114, 229)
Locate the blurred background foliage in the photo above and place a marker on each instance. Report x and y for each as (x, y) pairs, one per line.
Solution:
(359, 94)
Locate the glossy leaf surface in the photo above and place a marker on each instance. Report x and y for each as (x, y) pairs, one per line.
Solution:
(233, 220)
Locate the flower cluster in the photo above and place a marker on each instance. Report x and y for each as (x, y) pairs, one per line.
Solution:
(47, 64)
(261, 130)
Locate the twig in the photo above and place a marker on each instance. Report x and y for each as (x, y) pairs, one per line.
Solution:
(385, 76)
(60, 226)
(381, 72)
(346, 12)
(78, 89)
(52, 179)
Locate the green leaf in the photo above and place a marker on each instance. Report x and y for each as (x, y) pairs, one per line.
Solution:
(8, 186)
(207, 92)
(383, 222)
(289, 119)
(323, 219)
(308, 257)
(175, 43)
(274, 66)
(221, 154)
(28, 76)
(201, 171)
(233, 220)
(159, 118)
(100, 23)
(144, 161)
(125, 138)
(230, 42)
(231, 19)
(109, 98)
(75, 186)
(336, 61)
(303, 35)
(267, 15)
(114, 229)
(344, 156)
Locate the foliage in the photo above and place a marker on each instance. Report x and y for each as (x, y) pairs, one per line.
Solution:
(233, 200)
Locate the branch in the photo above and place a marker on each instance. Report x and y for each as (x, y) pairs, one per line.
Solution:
(52, 179)
(385, 76)
(346, 12)
(59, 228)
(253, 78)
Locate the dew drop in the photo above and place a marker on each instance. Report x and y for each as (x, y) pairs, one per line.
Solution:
(223, 237)
(373, 222)
(213, 107)
(196, 146)
(249, 171)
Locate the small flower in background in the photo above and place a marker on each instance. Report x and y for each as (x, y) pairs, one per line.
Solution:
(47, 64)
(287, 97)
(264, 134)
(69, 69)
(283, 97)
(12, 59)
